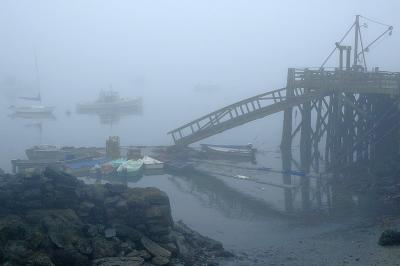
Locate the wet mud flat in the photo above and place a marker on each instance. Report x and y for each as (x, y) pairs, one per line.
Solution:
(258, 233)
(351, 245)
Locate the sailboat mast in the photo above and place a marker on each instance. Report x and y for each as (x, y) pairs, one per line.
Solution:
(356, 35)
(37, 76)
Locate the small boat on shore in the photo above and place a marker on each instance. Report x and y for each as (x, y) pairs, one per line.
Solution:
(229, 151)
(83, 166)
(130, 168)
(152, 164)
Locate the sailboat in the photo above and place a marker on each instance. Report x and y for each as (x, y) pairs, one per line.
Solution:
(37, 109)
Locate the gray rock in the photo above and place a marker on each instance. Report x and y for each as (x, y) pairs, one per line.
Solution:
(18, 249)
(84, 246)
(58, 239)
(158, 229)
(110, 232)
(154, 248)
(171, 247)
(144, 254)
(160, 260)
(86, 206)
(104, 248)
(125, 232)
(121, 205)
(183, 249)
(118, 261)
(133, 253)
(39, 259)
(91, 230)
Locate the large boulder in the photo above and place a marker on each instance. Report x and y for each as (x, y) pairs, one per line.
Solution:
(389, 238)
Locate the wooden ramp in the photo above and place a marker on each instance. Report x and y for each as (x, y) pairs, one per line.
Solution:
(319, 83)
(240, 113)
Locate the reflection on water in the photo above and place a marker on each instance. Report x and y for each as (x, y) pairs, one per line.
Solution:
(219, 208)
(214, 193)
(234, 198)
(34, 121)
(112, 116)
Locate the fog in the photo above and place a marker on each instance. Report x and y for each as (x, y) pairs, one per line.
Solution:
(160, 50)
(184, 59)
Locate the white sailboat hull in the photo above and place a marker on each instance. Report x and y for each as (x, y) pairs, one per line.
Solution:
(33, 109)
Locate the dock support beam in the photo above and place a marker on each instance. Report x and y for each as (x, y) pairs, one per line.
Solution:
(305, 153)
(286, 144)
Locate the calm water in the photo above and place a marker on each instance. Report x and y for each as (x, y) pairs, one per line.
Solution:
(244, 215)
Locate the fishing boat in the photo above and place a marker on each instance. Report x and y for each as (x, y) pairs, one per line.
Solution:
(152, 164)
(229, 151)
(110, 101)
(130, 168)
(84, 166)
(45, 152)
(54, 152)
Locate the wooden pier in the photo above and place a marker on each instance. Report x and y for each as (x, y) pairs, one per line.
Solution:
(348, 114)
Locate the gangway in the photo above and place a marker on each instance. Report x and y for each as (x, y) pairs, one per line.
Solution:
(305, 85)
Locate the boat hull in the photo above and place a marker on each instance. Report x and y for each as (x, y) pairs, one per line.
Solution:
(152, 164)
(228, 152)
(33, 110)
(134, 104)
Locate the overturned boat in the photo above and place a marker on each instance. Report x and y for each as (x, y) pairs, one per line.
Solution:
(152, 164)
(110, 101)
(243, 152)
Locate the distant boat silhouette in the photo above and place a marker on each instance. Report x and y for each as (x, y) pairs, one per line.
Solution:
(33, 109)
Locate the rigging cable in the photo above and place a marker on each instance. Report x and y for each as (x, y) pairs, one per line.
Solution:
(362, 48)
(338, 43)
(375, 21)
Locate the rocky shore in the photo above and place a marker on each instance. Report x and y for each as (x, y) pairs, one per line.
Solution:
(54, 219)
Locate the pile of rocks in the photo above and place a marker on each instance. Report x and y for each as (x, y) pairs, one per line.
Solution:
(54, 219)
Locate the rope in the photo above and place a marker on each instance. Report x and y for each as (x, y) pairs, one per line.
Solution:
(339, 43)
(375, 21)
(362, 48)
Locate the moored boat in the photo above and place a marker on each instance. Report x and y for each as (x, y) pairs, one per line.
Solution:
(33, 109)
(152, 164)
(54, 152)
(83, 166)
(229, 151)
(41, 152)
(130, 168)
(110, 101)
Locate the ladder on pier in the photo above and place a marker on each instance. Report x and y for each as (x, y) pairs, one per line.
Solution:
(240, 113)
